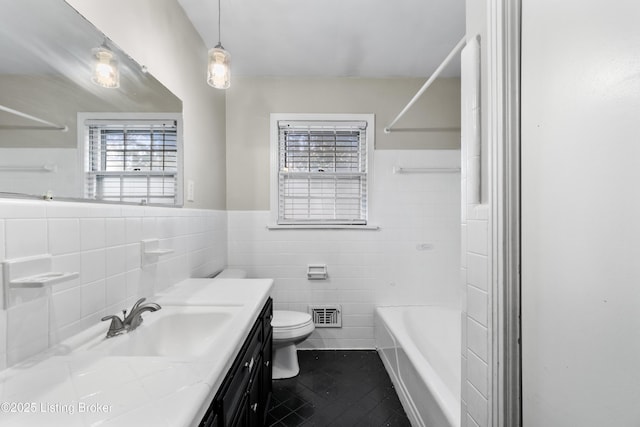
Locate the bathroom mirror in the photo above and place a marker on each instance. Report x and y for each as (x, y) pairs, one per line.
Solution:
(49, 107)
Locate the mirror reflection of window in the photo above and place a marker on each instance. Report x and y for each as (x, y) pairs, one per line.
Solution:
(131, 159)
(41, 96)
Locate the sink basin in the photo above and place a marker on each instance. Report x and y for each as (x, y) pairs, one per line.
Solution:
(179, 332)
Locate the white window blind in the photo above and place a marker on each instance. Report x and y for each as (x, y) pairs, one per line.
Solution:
(322, 174)
(132, 161)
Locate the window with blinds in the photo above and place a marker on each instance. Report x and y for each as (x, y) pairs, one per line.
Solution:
(322, 173)
(132, 161)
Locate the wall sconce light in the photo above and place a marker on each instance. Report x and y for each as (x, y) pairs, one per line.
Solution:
(105, 71)
(219, 70)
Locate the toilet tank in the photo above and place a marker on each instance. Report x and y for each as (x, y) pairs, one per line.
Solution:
(231, 274)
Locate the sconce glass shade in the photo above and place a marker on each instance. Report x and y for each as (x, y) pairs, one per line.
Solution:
(219, 70)
(106, 72)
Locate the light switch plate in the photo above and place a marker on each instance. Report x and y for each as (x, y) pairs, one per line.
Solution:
(191, 191)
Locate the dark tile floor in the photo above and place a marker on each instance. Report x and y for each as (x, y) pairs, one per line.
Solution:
(337, 388)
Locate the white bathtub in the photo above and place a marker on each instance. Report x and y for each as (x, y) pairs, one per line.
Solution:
(420, 348)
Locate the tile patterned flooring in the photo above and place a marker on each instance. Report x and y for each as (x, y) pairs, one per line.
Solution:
(337, 388)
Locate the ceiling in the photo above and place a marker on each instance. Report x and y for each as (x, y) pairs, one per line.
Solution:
(333, 38)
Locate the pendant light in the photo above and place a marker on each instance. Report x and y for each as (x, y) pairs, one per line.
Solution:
(105, 70)
(219, 71)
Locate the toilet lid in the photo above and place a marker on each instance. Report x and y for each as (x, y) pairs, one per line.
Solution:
(289, 319)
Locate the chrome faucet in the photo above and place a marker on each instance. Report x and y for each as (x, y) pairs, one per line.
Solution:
(132, 320)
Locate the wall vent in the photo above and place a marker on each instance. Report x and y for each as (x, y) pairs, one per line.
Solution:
(326, 316)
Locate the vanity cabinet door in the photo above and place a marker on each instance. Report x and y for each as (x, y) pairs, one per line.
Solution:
(243, 398)
(254, 406)
(241, 419)
(266, 384)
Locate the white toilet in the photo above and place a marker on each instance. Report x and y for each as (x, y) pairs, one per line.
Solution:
(289, 328)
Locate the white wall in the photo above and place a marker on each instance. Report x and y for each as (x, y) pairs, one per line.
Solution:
(580, 207)
(366, 268)
(158, 34)
(102, 243)
(250, 101)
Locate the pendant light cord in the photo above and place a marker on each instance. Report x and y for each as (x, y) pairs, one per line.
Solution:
(219, 29)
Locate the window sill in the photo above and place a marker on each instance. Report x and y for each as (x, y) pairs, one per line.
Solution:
(322, 227)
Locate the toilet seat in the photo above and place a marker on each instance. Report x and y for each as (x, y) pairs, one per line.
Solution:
(289, 319)
(289, 325)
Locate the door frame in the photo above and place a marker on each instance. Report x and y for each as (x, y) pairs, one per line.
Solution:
(503, 53)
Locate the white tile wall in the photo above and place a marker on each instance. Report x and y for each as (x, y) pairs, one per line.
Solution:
(475, 253)
(25, 237)
(475, 319)
(3, 339)
(366, 268)
(102, 243)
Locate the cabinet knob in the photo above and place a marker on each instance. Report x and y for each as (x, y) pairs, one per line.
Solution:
(267, 362)
(254, 407)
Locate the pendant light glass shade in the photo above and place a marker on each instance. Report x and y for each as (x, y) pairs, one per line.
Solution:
(105, 72)
(219, 71)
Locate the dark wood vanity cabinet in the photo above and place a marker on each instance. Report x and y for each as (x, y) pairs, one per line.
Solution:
(245, 394)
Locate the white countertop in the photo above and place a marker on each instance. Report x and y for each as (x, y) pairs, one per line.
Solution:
(63, 387)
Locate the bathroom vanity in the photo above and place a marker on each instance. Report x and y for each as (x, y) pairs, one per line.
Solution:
(244, 396)
(203, 359)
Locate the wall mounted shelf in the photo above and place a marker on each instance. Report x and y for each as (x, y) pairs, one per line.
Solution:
(151, 251)
(42, 280)
(29, 278)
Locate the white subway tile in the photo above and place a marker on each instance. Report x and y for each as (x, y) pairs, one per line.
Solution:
(463, 375)
(133, 278)
(463, 245)
(64, 235)
(150, 228)
(25, 237)
(93, 266)
(93, 298)
(10, 209)
(116, 290)
(133, 230)
(477, 406)
(129, 211)
(132, 256)
(92, 233)
(477, 305)
(66, 210)
(477, 339)
(477, 267)
(65, 308)
(469, 420)
(477, 373)
(103, 211)
(27, 330)
(2, 244)
(115, 260)
(463, 414)
(3, 339)
(167, 227)
(478, 237)
(115, 232)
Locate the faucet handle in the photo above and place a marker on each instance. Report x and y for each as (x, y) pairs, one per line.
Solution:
(116, 327)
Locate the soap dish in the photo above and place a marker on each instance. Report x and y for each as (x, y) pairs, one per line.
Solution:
(42, 280)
